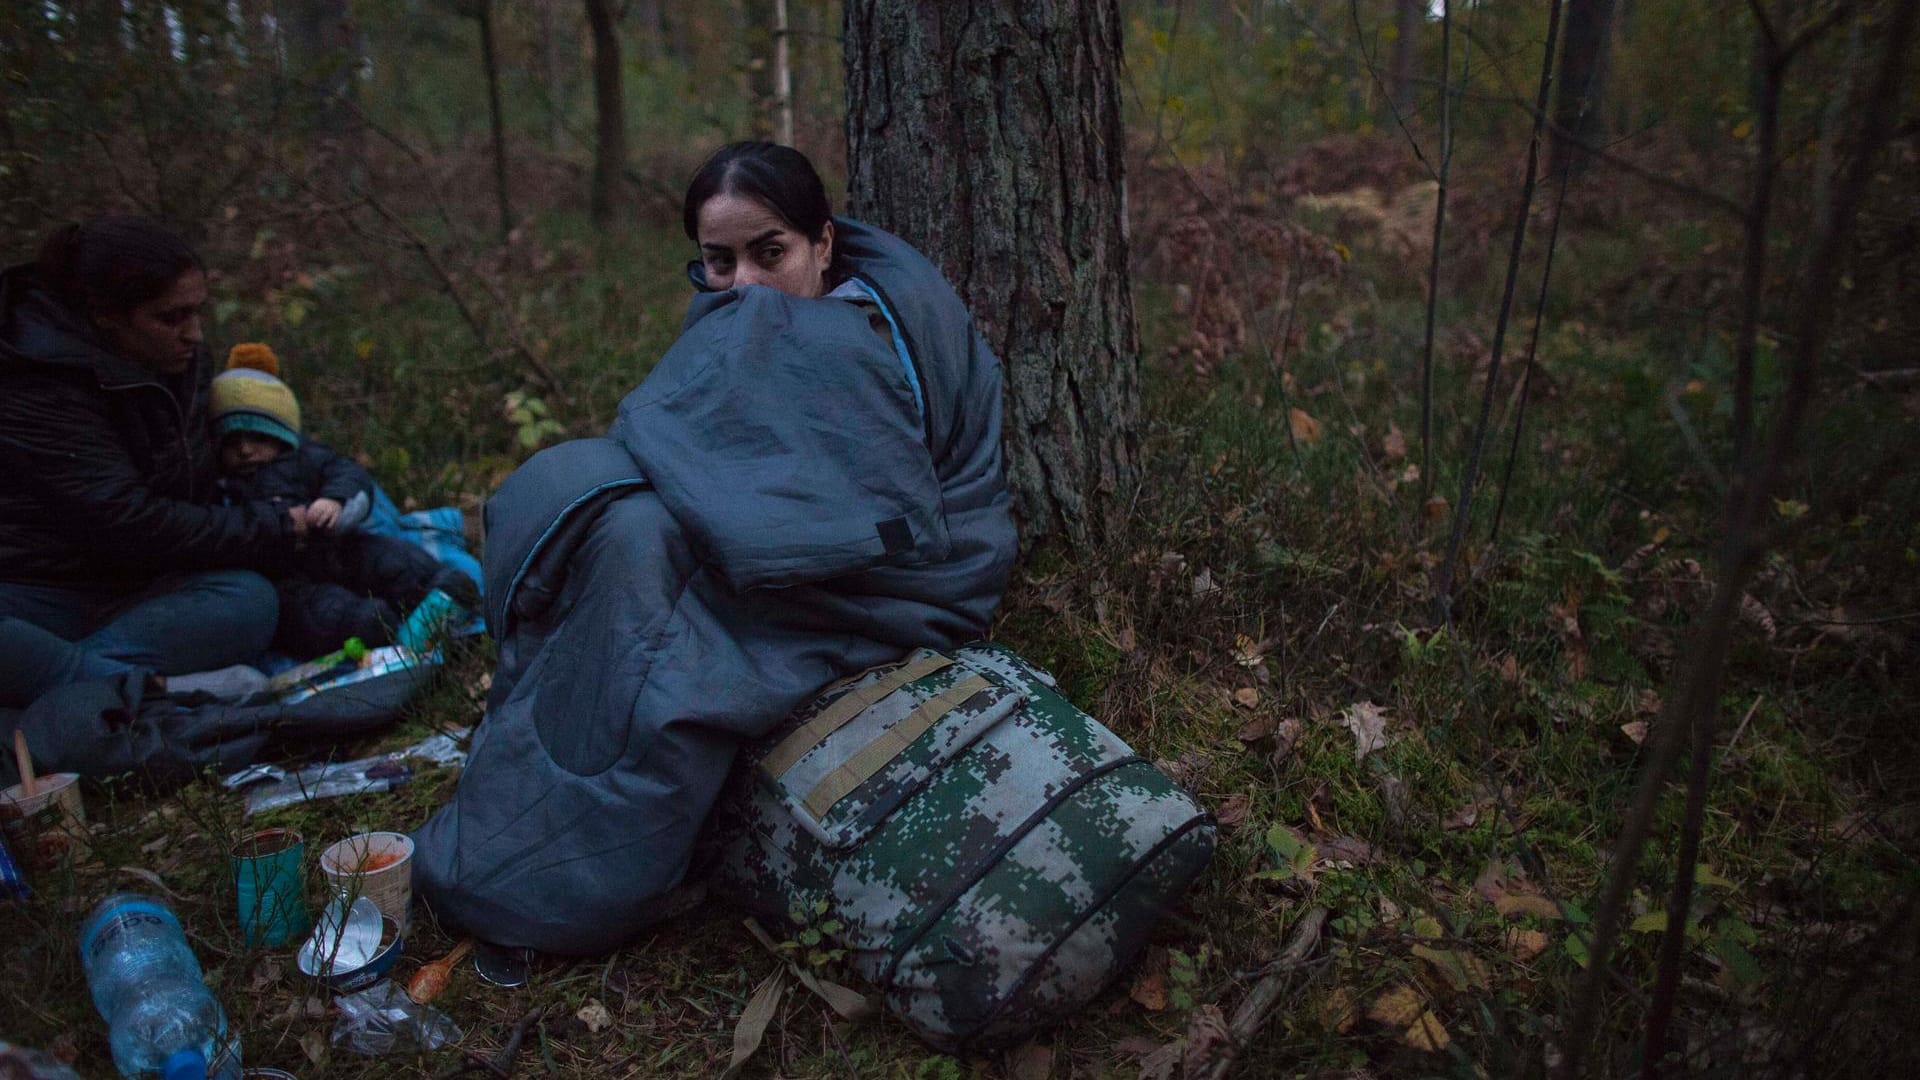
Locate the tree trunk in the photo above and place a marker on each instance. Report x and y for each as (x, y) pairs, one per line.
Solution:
(1408, 18)
(483, 13)
(1583, 83)
(782, 76)
(610, 158)
(989, 135)
(323, 48)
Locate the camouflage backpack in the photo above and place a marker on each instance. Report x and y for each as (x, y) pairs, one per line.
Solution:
(993, 855)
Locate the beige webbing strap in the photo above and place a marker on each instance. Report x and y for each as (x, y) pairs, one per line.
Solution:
(844, 708)
(886, 746)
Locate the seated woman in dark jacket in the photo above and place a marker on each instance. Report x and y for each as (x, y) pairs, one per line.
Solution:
(809, 483)
(111, 556)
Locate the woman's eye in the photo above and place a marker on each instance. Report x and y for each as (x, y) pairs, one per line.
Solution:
(772, 255)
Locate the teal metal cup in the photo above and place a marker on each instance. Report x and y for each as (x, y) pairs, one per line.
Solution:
(267, 886)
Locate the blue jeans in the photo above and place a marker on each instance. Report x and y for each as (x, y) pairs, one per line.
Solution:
(51, 636)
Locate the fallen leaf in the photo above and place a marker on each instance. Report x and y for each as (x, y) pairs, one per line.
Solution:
(1138, 1045)
(1463, 818)
(1649, 923)
(1515, 904)
(1285, 735)
(1338, 1011)
(1031, 1062)
(1461, 969)
(1257, 728)
(265, 975)
(1368, 722)
(595, 1016)
(1427, 1033)
(1395, 444)
(1635, 730)
(1346, 849)
(314, 1045)
(1305, 428)
(1160, 1064)
(1525, 944)
(1149, 989)
(754, 1020)
(1247, 652)
(1398, 1007)
(1233, 812)
(1208, 1041)
(1246, 697)
(1426, 926)
(1434, 508)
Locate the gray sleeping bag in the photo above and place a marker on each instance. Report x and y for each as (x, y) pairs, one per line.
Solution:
(789, 497)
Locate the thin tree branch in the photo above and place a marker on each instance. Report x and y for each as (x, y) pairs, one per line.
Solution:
(1698, 681)
(1462, 510)
(1433, 258)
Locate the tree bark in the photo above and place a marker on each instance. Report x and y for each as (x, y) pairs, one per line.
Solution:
(1583, 83)
(1408, 18)
(610, 157)
(324, 48)
(989, 135)
(483, 13)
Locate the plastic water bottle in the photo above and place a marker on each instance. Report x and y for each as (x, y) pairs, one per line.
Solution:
(162, 1021)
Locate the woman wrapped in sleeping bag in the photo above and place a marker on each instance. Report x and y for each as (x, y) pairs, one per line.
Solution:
(809, 483)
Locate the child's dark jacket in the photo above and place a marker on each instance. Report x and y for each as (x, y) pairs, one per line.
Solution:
(313, 471)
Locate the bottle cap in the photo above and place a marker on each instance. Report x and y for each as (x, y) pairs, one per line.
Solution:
(188, 1064)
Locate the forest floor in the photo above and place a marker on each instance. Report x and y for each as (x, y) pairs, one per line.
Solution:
(1448, 795)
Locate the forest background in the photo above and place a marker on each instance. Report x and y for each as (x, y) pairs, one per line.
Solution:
(1442, 734)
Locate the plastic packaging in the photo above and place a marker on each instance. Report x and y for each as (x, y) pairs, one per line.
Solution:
(382, 1019)
(162, 1020)
(427, 623)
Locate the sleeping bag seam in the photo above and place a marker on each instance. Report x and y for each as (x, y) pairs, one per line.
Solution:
(533, 552)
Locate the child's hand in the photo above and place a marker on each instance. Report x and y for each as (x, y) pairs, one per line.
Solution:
(323, 514)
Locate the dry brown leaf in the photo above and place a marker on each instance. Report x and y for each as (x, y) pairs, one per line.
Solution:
(1461, 969)
(1138, 1045)
(1247, 652)
(1030, 1062)
(1285, 735)
(1463, 818)
(1525, 944)
(1490, 885)
(1257, 728)
(1395, 444)
(595, 1016)
(1512, 905)
(1246, 697)
(1635, 730)
(1338, 1011)
(1368, 722)
(314, 1045)
(1208, 1041)
(1149, 989)
(1347, 849)
(1398, 1007)
(752, 1028)
(1305, 428)
(1427, 1033)
(1233, 813)
(1434, 508)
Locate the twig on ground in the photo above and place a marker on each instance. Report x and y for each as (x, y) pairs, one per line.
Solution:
(1260, 1000)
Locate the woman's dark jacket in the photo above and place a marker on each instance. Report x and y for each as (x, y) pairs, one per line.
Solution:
(106, 468)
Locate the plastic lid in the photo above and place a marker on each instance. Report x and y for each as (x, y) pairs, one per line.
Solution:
(185, 1065)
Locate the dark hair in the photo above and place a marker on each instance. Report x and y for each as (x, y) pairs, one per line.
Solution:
(112, 264)
(777, 177)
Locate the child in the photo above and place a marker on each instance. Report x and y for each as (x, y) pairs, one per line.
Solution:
(344, 583)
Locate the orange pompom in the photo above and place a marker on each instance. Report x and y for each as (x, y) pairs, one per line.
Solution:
(255, 355)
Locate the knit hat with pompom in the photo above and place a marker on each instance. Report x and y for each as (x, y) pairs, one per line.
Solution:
(249, 396)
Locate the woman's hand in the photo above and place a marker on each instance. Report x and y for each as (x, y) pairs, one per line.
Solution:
(323, 514)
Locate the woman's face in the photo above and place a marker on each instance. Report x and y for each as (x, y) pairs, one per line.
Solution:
(164, 332)
(742, 242)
